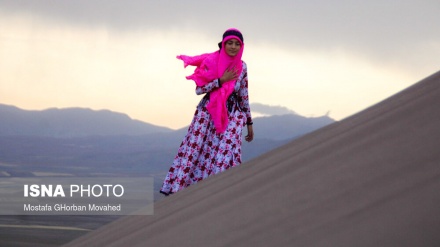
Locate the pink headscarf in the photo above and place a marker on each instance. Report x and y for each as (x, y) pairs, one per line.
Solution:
(211, 66)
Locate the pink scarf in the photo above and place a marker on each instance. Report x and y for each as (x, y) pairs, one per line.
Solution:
(211, 66)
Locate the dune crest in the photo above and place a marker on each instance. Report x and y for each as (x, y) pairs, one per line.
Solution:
(372, 179)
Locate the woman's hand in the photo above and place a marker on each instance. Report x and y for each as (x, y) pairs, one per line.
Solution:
(230, 74)
(250, 135)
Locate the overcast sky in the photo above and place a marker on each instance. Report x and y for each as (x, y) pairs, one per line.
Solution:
(310, 56)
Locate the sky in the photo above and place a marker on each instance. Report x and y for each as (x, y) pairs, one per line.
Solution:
(313, 57)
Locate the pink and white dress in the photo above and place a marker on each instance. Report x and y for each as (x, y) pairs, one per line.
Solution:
(204, 151)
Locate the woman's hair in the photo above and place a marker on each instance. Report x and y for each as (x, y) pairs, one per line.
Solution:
(231, 32)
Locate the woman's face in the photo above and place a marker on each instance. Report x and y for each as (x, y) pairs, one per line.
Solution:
(232, 47)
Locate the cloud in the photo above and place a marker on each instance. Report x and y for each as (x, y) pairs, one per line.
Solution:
(382, 27)
(388, 33)
(310, 56)
(270, 110)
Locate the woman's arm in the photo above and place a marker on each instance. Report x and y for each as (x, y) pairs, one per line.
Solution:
(244, 104)
(228, 75)
(250, 136)
(244, 96)
(208, 87)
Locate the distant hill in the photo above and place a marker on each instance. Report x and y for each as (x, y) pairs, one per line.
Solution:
(282, 127)
(70, 122)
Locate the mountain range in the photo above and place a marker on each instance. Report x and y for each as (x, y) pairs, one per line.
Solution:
(83, 122)
(85, 142)
(70, 122)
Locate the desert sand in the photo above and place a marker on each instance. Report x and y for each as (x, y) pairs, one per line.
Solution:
(372, 179)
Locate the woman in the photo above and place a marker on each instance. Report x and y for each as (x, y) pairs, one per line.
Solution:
(213, 141)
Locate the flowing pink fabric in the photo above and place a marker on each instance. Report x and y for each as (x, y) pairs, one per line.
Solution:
(210, 66)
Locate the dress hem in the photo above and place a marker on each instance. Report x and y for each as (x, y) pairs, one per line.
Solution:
(165, 193)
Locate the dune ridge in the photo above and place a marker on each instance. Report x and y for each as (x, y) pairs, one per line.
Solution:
(372, 179)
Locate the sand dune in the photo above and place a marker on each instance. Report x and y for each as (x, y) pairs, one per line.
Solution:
(372, 179)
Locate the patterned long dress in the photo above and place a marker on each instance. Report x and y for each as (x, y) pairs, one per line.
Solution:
(203, 152)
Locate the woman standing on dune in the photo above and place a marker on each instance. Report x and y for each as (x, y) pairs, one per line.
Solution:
(214, 138)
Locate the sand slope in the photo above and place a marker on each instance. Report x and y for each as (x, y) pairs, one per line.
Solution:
(372, 179)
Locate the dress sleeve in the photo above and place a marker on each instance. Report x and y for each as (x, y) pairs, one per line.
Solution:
(208, 87)
(244, 96)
